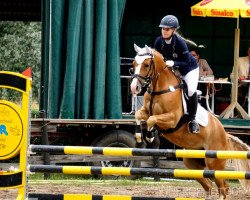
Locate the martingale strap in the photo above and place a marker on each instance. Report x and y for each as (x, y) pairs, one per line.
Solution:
(181, 122)
(164, 91)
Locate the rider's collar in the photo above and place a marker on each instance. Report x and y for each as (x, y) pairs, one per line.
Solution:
(168, 41)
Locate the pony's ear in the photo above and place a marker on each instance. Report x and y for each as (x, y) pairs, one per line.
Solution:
(148, 49)
(137, 49)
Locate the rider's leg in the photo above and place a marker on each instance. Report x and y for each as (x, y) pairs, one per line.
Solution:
(191, 80)
(192, 109)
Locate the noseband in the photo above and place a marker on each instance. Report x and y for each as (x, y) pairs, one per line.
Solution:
(147, 79)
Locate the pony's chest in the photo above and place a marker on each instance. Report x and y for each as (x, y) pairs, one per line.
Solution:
(157, 106)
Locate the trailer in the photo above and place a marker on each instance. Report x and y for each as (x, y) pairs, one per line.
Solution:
(110, 133)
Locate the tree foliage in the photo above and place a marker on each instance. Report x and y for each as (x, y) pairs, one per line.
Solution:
(20, 47)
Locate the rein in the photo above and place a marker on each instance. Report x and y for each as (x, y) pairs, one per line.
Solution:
(154, 93)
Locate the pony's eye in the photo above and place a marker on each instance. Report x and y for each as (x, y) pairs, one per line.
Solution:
(146, 65)
(131, 70)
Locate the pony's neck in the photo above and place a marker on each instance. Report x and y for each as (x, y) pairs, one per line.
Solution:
(164, 79)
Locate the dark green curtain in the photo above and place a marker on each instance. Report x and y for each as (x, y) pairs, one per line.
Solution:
(45, 54)
(81, 59)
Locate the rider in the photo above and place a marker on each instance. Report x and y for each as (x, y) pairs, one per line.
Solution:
(175, 51)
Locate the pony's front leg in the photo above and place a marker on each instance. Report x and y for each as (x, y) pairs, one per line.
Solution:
(163, 121)
(141, 127)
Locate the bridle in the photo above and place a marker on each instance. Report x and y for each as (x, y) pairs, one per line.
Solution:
(150, 74)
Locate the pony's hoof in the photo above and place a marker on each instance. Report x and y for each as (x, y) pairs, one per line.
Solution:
(150, 140)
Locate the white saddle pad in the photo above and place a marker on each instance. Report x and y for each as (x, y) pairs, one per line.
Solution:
(201, 115)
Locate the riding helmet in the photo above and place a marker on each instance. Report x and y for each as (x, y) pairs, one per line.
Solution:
(169, 21)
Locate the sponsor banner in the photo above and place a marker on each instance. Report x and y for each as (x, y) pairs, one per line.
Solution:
(245, 13)
(233, 13)
(198, 12)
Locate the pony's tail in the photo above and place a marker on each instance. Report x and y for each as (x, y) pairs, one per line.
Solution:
(235, 144)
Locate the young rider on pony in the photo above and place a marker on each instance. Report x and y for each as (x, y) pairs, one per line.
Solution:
(175, 51)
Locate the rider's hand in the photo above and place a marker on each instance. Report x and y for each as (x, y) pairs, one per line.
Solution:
(170, 63)
(242, 78)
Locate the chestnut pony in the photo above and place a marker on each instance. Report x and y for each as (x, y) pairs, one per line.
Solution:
(162, 110)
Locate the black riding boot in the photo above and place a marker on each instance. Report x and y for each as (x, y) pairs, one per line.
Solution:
(193, 126)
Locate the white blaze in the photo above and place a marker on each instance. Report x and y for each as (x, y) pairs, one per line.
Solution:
(134, 84)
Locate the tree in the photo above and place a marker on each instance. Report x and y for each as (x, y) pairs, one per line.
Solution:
(20, 47)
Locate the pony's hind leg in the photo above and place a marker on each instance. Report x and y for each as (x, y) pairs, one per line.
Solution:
(195, 163)
(218, 164)
(222, 188)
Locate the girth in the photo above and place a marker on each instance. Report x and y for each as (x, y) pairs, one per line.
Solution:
(181, 122)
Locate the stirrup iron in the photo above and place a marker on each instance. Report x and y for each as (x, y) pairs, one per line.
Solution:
(193, 127)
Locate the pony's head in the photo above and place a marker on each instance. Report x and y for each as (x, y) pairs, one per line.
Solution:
(143, 68)
(148, 62)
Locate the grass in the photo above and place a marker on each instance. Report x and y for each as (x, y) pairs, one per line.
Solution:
(35, 109)
(64, 179)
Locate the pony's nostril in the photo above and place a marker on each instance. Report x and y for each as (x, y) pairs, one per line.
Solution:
(135, 86)
(138, 88)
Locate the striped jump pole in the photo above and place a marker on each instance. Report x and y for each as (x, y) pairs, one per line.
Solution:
(99, 197)
(116, 151)
(126, 171)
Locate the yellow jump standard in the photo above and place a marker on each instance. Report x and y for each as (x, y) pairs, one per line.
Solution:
(14, 130)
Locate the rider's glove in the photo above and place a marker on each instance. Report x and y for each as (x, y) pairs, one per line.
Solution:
(170, 63)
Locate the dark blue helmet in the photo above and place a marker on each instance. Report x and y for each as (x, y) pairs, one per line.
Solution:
(169, 21)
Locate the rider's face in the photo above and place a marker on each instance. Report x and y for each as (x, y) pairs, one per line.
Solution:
(167, 32)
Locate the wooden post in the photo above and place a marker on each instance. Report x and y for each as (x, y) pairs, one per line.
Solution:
(45, 141)
(234, 101)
